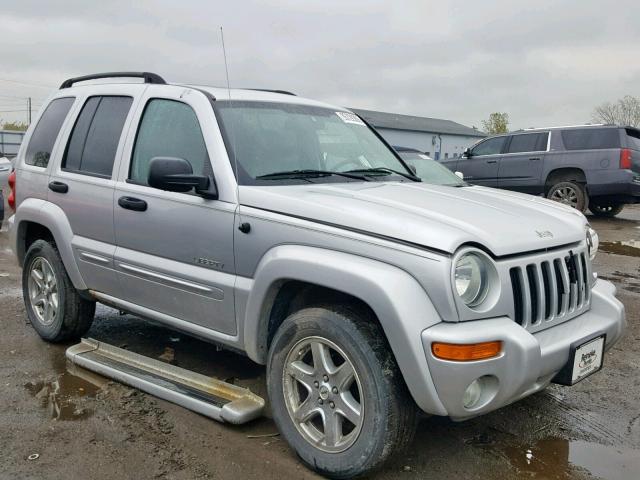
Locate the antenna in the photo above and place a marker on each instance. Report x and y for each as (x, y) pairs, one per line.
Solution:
(243, 227)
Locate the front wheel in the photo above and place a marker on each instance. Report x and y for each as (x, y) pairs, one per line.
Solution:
(604, 209)
(336, 392)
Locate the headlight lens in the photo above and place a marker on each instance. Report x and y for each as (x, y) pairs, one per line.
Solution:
(593, 241)
(471, 282)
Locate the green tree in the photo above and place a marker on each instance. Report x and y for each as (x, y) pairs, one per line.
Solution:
(497, 123)
(20, 126)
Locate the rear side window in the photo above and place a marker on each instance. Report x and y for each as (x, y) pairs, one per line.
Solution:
(591, 138)
(94, 141)
(168, 129)
(528, 142)
(489, 147)
(45, 134)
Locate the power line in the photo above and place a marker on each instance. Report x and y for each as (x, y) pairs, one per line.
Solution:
(14, 97)
(39, 85)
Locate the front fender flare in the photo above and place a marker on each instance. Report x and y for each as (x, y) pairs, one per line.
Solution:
(53, 218)
(400, 303)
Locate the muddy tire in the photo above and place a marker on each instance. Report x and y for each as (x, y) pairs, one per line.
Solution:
(604, 209)
(336, 392)
(54, 307)
(570, 193)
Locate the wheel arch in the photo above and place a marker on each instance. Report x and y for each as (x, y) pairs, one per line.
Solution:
(556, 175)
(38, 219)
(290, 275)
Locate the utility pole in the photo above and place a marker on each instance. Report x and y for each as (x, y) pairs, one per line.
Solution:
(29, 109)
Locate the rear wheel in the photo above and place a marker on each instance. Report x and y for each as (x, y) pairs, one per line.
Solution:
(336, 392)
(54, 307)
(569, 193)
(605, 209)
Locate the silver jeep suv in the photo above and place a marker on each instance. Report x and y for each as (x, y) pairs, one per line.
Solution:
(289, 230)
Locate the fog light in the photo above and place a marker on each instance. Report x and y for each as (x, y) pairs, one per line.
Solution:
(472, 394)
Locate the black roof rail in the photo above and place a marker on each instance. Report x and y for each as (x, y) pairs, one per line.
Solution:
(283, 92)
(147, 76)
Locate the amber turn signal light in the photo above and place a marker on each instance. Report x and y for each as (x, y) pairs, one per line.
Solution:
(466, 352)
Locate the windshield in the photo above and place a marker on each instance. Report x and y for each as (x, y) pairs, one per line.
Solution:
(280, 143)
(431, 171)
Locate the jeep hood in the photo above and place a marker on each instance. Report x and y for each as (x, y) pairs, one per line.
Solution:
(433, 216)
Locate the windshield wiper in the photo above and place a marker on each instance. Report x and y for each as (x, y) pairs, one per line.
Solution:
(388, 171)
(309, 173)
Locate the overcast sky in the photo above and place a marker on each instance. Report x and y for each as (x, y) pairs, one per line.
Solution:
(543, 62)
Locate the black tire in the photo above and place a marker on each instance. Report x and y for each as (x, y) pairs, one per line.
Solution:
(569, 193)
(604, 209)
(389, 414)
(74, 314)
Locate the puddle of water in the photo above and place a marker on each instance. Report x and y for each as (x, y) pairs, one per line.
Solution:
(630, 248)
(557, 458)
(62, 397)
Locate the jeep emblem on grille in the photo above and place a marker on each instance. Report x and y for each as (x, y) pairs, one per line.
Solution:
(544, 233)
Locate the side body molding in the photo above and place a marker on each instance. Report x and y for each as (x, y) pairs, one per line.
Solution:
(400, 303)
(53, 217)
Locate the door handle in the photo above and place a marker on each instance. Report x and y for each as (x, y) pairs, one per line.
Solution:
(58, 187)
(131, 203)
(492, 161)
(533, 159)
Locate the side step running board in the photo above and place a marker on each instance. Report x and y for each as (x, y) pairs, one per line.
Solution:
(208, 396)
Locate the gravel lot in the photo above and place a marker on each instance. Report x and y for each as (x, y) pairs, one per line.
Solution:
(58, 422)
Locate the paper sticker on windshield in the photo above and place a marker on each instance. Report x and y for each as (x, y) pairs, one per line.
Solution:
(348, 117)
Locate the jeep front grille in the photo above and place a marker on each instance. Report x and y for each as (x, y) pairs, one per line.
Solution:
(551, 290)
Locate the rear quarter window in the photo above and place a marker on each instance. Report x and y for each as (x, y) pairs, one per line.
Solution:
(591, 139)
(44, 136)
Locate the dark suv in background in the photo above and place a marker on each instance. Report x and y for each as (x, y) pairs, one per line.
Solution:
(586, 166)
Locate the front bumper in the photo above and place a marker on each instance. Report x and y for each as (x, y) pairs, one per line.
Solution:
(528, 361)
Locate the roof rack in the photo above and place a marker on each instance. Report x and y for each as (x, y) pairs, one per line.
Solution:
(570, 126)
(147, 76)
(283, 92)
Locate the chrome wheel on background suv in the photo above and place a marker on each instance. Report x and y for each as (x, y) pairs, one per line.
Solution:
(571, 193)
(567, 195)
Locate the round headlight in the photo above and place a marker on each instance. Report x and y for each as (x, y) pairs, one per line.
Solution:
(593, 241)
(471, 282)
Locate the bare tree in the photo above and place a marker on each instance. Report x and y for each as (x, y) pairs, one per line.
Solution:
(625, 111)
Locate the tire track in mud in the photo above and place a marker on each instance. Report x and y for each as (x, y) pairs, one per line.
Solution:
(584, 420)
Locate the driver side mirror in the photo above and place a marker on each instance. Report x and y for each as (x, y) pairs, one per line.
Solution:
(467, 153)
(459, 175)
(176, 175)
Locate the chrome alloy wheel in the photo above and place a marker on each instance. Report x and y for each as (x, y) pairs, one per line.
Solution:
(566, 195)
(43, 290)
(323, 394)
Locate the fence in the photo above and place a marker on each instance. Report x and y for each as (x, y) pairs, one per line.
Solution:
(10, 141)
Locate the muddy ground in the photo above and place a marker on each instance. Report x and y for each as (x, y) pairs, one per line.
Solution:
(57, 422)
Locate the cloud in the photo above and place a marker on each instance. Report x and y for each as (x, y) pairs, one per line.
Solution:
(543, 62)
